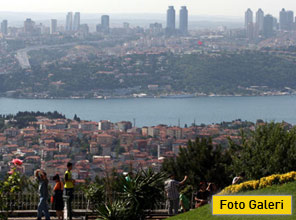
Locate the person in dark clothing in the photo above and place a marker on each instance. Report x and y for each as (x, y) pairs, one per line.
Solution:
(69, 188)
(58, 197)
(201, 197)
(43, 193)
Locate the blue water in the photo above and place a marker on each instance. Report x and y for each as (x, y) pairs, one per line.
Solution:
(154, 111)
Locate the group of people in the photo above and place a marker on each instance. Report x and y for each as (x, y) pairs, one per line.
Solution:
(175, 199)
(201, 197)
(57, 198)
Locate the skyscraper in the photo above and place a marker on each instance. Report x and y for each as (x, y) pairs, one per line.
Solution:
(259, 20)
(171, 19)
(69, 21)
(4, 29)
(105, 23)
(249, 25)
(29, 26)
(248, 18)
(76, 23)
(53, 26)
(183, 20)
(290, 20)
(268, 26)
(283, 20)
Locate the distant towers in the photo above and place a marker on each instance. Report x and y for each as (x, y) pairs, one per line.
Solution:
(171, 19)
(183, 20)
(248, 18)
(290, 20)
(283, 20)
(268, 26)
(259, 20)
(29, 26)
(4, 27)
(53, 26)
(69, 19)
(76, 23)
(105, 23)
(249, 26)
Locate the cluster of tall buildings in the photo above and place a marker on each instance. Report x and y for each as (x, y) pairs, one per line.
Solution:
(171, 21)
(266, 25)
(72, 24)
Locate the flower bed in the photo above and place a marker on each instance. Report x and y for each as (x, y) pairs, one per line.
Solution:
(260, 184)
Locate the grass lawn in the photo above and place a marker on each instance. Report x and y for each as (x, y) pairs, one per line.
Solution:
(205, 212)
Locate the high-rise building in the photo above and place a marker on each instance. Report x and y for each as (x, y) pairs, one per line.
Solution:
(268, 26)
(183, 20)
(290, 20)
(69, 19)
(283, 20)
(76, 23)
(248, 18)
(53, 26)
(29, 26)
(105, 23)
(4, 27)
(259, 20)
(171, 19)
(250, 31)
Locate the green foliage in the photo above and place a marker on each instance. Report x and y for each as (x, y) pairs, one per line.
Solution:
(205, 212)
(270, 149)
(23, 119)
(201, 161)
(222, 73)
(13, 183)
(127, 198)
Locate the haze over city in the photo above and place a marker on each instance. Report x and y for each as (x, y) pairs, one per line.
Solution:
(209, 7)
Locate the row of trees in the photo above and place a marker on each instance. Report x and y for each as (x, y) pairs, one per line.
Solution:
(270, 149)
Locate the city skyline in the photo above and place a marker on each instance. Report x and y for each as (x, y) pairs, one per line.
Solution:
(210, 7)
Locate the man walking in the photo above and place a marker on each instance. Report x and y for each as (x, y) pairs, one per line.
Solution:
(171, 188)
(43, 193)
(69, 188)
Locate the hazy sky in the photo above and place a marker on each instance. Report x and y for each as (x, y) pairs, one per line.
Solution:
(196, 7)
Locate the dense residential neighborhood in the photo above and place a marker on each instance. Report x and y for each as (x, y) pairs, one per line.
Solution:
(100, 147)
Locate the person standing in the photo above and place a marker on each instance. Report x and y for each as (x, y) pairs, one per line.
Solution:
(69, 188)
(43, 193)
(239, 179)
(58, 197)
(172, 193)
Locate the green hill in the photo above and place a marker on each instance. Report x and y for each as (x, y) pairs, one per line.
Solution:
(205, 213)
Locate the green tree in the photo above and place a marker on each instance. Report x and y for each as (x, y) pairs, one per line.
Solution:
(201, 161)
(270, 149)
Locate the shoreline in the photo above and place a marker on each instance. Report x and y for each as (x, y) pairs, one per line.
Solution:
(183, 96)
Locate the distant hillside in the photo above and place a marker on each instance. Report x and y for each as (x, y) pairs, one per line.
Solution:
(80, 71)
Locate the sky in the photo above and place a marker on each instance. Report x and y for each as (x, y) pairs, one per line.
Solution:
(196, 7)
